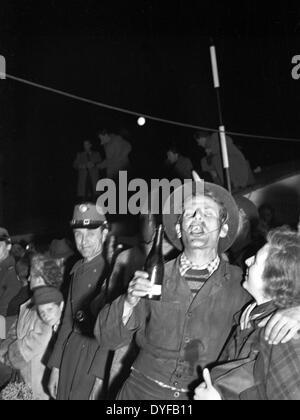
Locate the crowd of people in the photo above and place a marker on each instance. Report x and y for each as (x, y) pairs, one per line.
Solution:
(75, 323)
(113, 154)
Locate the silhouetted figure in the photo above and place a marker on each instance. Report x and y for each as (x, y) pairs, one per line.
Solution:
(86, 163)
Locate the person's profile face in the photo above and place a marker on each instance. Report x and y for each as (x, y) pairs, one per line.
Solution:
(254, 282)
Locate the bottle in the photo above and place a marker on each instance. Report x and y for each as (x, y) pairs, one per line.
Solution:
(155, 265)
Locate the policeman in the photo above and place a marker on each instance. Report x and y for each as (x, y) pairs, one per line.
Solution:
(77, 362)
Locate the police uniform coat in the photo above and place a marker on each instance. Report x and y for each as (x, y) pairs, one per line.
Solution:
(77, 355)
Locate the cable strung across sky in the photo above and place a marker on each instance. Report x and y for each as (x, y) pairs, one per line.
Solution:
(140, 114)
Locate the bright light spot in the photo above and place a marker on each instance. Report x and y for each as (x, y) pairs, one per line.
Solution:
(141, 121)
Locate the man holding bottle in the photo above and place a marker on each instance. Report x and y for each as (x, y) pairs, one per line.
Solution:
(187, 329)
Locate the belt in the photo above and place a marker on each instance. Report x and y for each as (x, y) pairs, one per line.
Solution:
(161, 384)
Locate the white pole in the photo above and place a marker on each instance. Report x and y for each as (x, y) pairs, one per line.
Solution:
(222, 132)
(214, 64)
(2, 67)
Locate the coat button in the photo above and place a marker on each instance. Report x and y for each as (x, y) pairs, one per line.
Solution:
(89, 286)
(176, 394)
(95, 271)
(187, 340)
(175, 383)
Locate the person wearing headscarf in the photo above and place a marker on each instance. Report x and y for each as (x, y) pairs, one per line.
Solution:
(25, 348)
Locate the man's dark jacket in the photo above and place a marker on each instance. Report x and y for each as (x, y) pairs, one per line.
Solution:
(179, 334)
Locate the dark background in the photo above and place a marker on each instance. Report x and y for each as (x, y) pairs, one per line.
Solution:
(148, 56)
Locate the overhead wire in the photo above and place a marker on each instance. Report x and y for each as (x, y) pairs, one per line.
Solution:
(141, 114)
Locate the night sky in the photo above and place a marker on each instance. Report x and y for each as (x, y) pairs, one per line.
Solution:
(148, 56)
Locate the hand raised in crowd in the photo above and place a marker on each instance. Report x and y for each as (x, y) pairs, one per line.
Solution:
(139, 287)
(53, 383)
(283, 326)
(206, 391)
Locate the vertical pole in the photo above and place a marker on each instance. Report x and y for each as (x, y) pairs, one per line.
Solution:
(2, 67)
(2, 77)
(222, 131)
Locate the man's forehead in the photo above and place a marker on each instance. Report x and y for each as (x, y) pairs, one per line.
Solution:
(200, 201)
(87, 231)
(47, 305)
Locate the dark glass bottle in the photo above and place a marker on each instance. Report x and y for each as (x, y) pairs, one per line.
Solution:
(155, 265)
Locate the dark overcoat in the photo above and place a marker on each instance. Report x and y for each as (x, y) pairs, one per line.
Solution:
(9, 284)
(77, 354)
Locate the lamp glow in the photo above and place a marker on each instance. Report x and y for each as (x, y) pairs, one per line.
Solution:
(141, 121)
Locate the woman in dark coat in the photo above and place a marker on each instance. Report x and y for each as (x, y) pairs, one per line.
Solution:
(251, 368)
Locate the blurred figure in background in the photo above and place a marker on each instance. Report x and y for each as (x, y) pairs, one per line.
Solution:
(212, 163)
(86, 163)
(23, 270)
(63, 249)
(267, 219)
(180, 166)
(247, 243)
(117, 151)
(9, 283)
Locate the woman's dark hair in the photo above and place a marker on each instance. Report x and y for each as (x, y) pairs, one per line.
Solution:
(51, 270)
(282, 267)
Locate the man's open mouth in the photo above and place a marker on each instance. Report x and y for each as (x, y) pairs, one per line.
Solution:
(197, 230)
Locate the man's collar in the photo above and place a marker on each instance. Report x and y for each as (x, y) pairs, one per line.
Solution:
(97, 260)
(185, 265)
(86, 261)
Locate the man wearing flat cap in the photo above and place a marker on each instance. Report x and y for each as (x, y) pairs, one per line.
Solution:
(186, 330)
(77, 362)
(9, 283)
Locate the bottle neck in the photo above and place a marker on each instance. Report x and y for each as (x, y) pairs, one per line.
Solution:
(159, 238)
